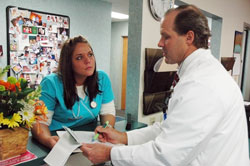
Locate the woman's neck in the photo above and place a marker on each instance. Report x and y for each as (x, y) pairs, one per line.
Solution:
(80, 81)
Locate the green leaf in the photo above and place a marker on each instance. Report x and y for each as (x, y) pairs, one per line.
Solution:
(23, 84)
(2, 88)
(17, 89)
(4, 71)
(5, 93)
(5, 111)
(24, 93)
(17, 106)
(13, 95)
(12, 80)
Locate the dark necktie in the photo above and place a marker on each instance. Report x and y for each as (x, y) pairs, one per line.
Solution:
(176, 79)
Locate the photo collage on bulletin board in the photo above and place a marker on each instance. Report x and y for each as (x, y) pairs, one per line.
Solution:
(34, 42)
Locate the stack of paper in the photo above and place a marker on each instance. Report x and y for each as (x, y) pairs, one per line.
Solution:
(69, 142)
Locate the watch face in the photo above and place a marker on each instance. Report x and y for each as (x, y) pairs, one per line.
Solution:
(159, 7)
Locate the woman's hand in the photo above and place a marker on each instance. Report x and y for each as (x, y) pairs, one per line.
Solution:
(42, 134)
(111, 135)
(51, 141)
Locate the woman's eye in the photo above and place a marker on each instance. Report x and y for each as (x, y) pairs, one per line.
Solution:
(79, 58)
(90, 54)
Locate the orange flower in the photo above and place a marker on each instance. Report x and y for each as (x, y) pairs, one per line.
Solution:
(5, 84)
(18, 85)
(40, 108)
(12, 87)
(40, 113)
(9, 86)
(2, 82)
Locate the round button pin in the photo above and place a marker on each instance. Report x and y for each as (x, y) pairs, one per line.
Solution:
(93, 104)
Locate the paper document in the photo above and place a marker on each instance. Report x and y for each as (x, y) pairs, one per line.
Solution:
(85, 137)
(69, 142)
(72, 134)
(60, 153)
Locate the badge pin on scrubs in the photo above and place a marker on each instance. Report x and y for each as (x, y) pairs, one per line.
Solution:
(93, 104)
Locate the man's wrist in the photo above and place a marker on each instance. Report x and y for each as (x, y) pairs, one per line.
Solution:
(109, 153)
(125, 138)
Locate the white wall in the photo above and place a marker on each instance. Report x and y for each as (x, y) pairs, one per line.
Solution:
(234, 14)
(150, 38)
(118, 29)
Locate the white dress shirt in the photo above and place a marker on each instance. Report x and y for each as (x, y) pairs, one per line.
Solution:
(206, 124)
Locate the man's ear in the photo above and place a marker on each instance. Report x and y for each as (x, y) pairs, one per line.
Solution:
(190, 37)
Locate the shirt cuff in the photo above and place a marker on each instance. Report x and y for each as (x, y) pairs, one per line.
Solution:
(108, 108)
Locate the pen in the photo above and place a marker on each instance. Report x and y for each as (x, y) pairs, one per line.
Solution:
(97, 134)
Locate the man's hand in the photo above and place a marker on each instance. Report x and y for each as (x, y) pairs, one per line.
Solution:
(96, 153)
(111, 135)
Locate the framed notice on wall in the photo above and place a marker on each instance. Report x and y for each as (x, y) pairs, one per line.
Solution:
(238, 36)
(34, 41)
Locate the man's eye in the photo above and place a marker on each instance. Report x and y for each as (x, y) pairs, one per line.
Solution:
(79, 58)
(166, 37)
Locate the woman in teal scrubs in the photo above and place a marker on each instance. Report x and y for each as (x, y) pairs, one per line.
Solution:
(76, 94)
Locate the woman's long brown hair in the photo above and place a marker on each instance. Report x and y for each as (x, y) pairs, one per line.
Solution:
(66, 74)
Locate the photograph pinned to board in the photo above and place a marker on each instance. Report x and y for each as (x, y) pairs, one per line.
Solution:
(34, 42)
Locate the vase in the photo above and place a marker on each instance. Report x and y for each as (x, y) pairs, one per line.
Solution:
(13, 142)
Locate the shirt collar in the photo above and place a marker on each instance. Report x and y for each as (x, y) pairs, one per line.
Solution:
(183, 66)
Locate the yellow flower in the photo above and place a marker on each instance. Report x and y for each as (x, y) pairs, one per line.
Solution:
(16, 117)
(30, 122)
(13, 122)
(6, 121)
(1, 118)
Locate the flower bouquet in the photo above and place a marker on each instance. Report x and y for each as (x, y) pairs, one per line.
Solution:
(20, 107)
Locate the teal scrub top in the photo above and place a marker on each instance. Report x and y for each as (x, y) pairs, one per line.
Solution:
(52, 95)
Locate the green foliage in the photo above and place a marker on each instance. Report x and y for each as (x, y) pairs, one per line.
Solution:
(4, 71)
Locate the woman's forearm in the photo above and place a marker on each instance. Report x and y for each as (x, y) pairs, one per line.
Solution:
(108, 117)
(42, 133)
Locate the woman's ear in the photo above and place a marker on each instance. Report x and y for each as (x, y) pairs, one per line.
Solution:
(190, 37)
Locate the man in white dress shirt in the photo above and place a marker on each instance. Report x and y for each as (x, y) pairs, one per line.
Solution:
(206, 124)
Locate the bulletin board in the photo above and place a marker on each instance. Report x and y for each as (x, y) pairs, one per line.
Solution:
(34, 41)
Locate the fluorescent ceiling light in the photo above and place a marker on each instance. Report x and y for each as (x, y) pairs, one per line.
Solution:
(119, 15)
